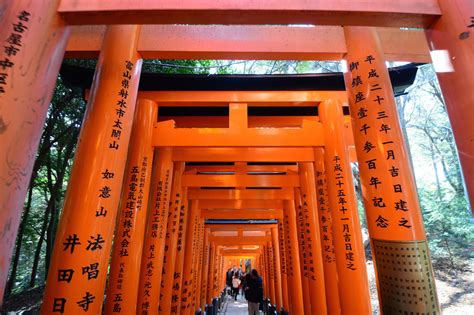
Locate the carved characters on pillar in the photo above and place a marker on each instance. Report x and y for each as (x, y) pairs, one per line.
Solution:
(289, 249)
(90, 271)
(373, 122)
(308, 238)
(339, 176)
(302, 239)
(157, 216)
(325, 218)
(281, 241)
(132, 204)
(12, 46)
(178, 272)
(121, 106)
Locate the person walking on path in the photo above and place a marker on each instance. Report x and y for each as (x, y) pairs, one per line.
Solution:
(235, 286)
(254, 292)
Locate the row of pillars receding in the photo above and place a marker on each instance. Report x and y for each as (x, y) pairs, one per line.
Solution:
(80, 262)
(162, 255)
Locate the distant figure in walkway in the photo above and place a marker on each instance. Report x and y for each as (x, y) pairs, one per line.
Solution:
(235, 286)
(254, 292)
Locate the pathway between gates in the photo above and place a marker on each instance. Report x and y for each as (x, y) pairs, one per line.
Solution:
(232, 307)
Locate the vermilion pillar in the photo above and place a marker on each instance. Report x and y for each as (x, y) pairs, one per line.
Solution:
(27, 80)
(350, 257)
(271, 272)
(210, 273)
(171, 243)
(205, 268)
(277, 259)
(180, 248)
(451, 36)
(265, 274)
(197, 274)
(79, 263)
(284, 268)
(122, 288)
(303, 250)
(325, 229)
(155, 234)
(388, 186)
(190, 253)
(294, 271)
(312, 238)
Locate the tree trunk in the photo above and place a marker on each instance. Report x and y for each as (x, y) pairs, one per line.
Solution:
(56, 196)
(11, 281)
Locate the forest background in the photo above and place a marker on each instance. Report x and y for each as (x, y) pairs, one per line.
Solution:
(446, 212)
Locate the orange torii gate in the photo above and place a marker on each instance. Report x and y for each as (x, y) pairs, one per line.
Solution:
(36, 36)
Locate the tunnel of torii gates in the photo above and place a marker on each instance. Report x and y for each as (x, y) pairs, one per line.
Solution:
(157, 192)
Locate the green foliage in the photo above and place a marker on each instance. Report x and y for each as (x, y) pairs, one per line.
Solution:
(447, 215)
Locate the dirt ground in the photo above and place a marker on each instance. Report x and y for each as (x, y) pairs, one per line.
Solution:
(455, 290)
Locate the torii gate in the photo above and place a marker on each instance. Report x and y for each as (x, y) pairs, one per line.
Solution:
(36, 38)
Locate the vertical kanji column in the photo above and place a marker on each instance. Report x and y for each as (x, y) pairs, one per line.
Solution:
(122, 288)
(190, 251)
(284, 268)
(205, 269)
(312, 238)
(277, 259)
(79, 263)
(271, 272)
(390, 198)
(350, 257)
(265, 273)
(171, 243)
(155, 234)
(451, 38)
(195, 293)
(303, 250)
(293, 259)
(33, 40)
(325, 229)
(180, 249)
(210, 273)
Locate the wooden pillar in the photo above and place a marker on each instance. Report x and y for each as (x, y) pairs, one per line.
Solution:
(303, 249)
(79, 263)
(154, 243)
(278, 281)
(197, 261)
(122, 288)
(27, 81)
(210, 275)
(205, 269)
(388, 186)
(284, 268)
(264, 271)
(452, 37)
(350, 257)
(312, 238)
(271, 272)
(171, 244)
(293, 259)
(325, 228)
(180, 251)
